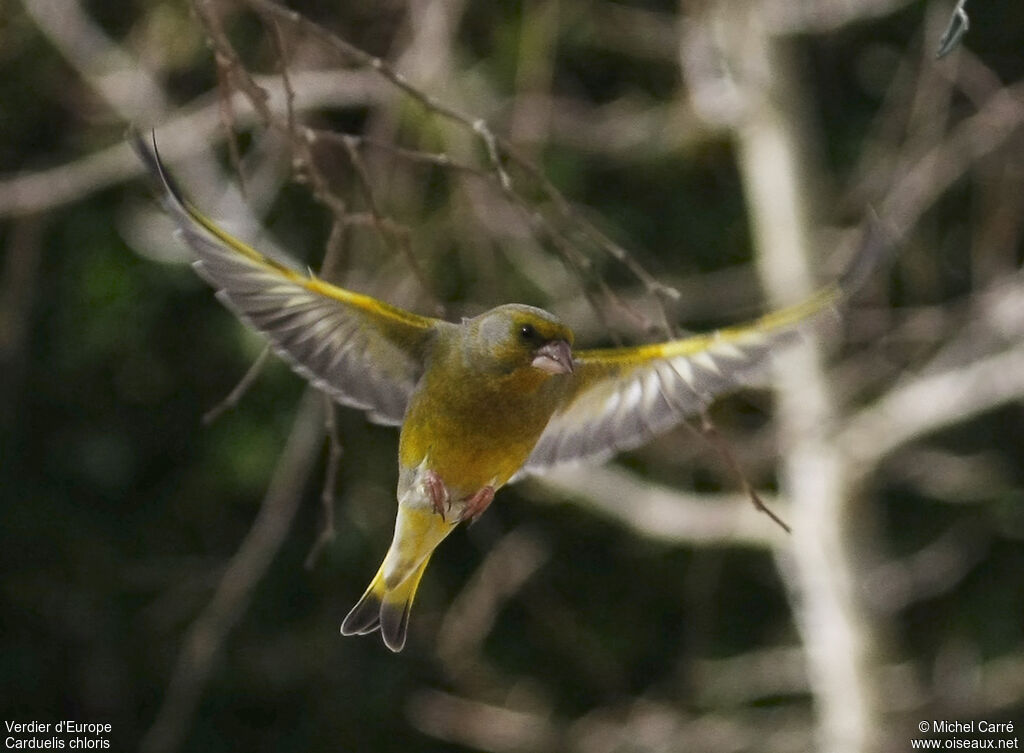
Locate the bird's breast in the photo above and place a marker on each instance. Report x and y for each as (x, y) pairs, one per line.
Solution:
(475, 433)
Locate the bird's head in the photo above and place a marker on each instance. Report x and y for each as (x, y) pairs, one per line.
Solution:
(515, 337)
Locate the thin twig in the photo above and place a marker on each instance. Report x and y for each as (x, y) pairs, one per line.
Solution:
(228, 121)
(491, 143)
(331, 262)
(358, 56)
(391, 240)
(234, 67)
(240, 389)
(495, 145)
(660, 291)
(580, 265)
(715, 439)
(327, 501)
(286, 81)
(437, 159)
(334, 254)
(302, 147)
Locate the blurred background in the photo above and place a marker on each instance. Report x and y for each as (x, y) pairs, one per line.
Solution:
(640, 168)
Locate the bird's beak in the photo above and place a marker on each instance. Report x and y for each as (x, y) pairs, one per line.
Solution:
(555, 357)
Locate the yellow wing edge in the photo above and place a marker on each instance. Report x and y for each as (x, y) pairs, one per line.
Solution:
(873, 247)
(315, 285)
(688, 346)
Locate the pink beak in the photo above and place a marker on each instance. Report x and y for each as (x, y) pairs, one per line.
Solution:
(554, 358)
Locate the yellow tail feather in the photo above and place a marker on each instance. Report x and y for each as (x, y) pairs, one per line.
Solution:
(387, 610)
(388, 599)
(394, 610)
(364, 617)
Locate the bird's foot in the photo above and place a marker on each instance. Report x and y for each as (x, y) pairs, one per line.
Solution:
(476, 504)
(438, 493)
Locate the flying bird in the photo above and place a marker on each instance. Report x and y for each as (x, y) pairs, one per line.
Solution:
(480, 402)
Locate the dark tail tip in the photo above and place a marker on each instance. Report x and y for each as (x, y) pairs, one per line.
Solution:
(371, 613)
(365, 617)
(394, 623)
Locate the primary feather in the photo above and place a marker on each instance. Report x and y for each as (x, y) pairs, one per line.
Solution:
(623, 397)
(362, 352)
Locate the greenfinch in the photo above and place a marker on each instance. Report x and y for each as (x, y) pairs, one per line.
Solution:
(481, 402)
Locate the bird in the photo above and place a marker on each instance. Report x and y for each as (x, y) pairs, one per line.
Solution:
(481, 402)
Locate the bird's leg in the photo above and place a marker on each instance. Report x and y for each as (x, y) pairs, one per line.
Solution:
(439, 497)
(476, 504)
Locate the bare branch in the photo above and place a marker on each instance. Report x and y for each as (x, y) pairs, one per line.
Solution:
(641, 724)
(353, 54)
(975, 137)
(929, 572)
(803, 16)
(482, 726)
(231, 65)
(658, 512)
(130, 90)
(391, 239)
(928, 404)
(497, 148)
(820, 566)
(327, 531)
(245, 570)
(195, 129)
(227, 122)
(470, 618)
(750, 677)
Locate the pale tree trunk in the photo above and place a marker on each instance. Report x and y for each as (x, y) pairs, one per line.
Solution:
(822, 558)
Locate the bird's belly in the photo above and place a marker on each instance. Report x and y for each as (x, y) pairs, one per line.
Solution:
(472, 451)
(475, 464)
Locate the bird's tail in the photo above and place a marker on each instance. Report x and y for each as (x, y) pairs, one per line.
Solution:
(387, 601)
(385, 609)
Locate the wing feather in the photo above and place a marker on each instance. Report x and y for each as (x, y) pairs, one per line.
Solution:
(362, 352)
(622, 397)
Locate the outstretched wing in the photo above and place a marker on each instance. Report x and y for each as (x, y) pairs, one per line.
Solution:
(363, 352)
(622, 397)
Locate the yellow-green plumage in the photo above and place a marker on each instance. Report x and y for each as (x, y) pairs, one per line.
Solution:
(481, 402)
(481, 405)
(386, 603)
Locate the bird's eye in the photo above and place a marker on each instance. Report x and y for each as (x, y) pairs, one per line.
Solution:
(527, 333)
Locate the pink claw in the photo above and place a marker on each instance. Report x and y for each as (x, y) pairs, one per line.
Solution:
(476, 504)
(439, 497)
